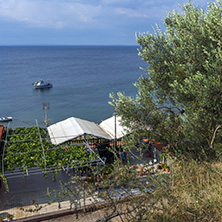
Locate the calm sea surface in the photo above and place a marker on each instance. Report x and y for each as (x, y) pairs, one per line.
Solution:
(82, 77)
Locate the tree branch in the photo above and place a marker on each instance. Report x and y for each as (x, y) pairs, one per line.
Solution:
(214, 135)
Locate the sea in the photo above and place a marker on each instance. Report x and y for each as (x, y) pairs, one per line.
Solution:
(82, 78)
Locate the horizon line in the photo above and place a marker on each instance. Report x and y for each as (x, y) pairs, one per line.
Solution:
(66, 45)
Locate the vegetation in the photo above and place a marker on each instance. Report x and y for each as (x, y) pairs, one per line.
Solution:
(178, 104)
(180, 98)
(30, 147)
(191, 191)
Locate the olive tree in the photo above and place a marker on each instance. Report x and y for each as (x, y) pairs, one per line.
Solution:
(184, 71)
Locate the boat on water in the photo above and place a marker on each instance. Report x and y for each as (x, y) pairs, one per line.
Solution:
(42, 84)
(5, 119)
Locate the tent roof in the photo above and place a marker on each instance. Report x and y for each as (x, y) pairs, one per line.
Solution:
(74, 127)
(108, 126)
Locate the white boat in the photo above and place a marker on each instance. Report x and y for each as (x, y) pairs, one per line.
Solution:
(42, 84)
(5, 119)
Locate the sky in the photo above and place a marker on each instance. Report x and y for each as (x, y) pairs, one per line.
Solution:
(82, 22)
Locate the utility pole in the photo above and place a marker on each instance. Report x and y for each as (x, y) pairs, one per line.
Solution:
(115, 131)
(46, 107)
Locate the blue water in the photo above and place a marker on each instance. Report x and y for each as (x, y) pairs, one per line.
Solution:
(82, 77)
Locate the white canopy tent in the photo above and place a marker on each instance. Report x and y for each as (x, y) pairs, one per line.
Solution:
(113, 127)
(74, 127)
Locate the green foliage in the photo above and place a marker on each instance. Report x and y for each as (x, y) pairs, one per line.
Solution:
(9, 216)
(184, 71)
(4, 181)
(25, 150)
